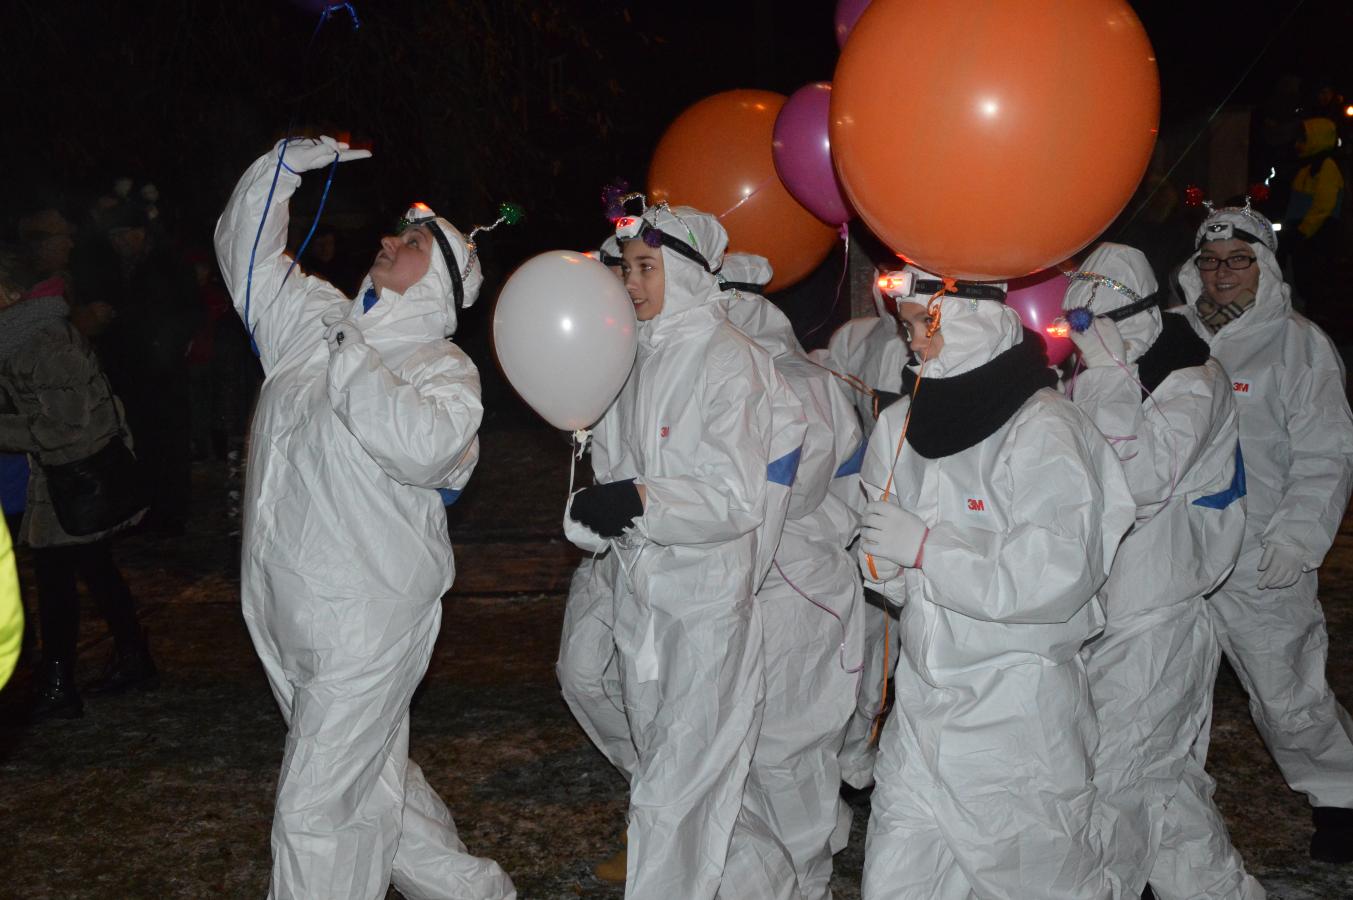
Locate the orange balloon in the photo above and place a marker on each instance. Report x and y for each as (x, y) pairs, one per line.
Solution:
(987, 139)
(716, 157)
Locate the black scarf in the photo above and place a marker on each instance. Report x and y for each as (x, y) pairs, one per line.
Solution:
(1177, 347)
(950, 415)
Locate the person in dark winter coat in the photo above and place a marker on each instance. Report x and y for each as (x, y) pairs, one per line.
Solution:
(57, 406)
(153, 295)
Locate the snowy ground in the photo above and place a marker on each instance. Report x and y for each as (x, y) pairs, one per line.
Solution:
(169, 794)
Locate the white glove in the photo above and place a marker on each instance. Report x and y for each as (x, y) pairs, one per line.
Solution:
(1281, 566)
(889, 532)
(1101, 344)
(341, 330)
(308, 154)
(886, 571)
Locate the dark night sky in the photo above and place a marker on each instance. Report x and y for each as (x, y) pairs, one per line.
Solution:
(468, 102)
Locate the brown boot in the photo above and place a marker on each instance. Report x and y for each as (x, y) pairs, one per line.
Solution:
(612, 870)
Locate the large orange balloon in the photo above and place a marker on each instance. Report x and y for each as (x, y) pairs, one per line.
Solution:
(987, 139)
(716, 157)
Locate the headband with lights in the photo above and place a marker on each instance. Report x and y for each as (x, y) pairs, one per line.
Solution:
(420, 214)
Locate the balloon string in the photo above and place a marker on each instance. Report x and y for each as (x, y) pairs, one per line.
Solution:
(883, 697)
(277, 171)
(1254, 60)
(933, 309)
(836, 300)
(1115, 440)
(829, 611)
(855, 382)
(948, 286)
(747, 196)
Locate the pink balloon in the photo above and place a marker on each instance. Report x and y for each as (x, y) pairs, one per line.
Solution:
(803, 154)
(1038, 300)
(847, 14)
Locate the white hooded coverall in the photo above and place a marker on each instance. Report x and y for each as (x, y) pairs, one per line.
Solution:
(346, 556)
(983, 777)
(810, 608)
(710, 431)
(1296, 434)
(871, 350)
(1152, 671)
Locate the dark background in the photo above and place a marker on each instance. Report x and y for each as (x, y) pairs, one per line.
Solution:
(466, 103)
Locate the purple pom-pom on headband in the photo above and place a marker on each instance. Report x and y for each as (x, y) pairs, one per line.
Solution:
(614, 197)
(652, 237)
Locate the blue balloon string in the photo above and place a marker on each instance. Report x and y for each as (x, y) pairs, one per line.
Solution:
(314, 223)
(324, 16)
(253, 251)
(272, 189)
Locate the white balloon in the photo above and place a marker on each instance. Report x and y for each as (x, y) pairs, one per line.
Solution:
(564, 331)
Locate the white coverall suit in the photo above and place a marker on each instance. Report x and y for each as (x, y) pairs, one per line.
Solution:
(1152, 671)
(1296, 435)
(713, 435)
(871, 350)
(346, 556)
(810, 608)
(983, 781)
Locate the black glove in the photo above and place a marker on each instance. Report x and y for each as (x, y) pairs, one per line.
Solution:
(608, 509)
(883, 400)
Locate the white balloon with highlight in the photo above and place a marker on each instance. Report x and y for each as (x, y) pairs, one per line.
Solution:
(564, 332)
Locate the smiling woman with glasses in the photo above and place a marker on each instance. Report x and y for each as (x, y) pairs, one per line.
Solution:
(1296, 438)
(1228, 289)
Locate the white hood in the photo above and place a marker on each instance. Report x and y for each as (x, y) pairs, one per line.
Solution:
(975, 331)
(429, 306)
(1273, 300)
(746, 268)
(1129, 267)
(687, 283)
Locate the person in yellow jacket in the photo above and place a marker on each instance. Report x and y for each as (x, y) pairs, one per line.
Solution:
(11, 611)
(1310, 227)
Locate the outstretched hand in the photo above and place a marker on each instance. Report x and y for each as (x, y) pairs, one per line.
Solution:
(308, 154)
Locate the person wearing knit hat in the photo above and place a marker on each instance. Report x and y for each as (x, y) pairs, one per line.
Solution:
(1152, 389)
(368, 414)
(693, 464)
(1296, 435)
(995, 512)
(810, 603)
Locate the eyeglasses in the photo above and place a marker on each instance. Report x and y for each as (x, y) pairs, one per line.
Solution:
(1213, 263)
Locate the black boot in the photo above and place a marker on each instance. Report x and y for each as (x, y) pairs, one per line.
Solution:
(1333, 838)
(129, 668)
(56, 696)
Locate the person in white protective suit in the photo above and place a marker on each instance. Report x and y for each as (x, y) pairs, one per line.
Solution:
(587, 667)
(367, 411)
(693, 463)
(810, 609)
(1154, 392)
(870, 349)
(1296, 433)
(1004, 509)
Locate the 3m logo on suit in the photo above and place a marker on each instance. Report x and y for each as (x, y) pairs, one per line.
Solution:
(1241, 387)
(975, 505)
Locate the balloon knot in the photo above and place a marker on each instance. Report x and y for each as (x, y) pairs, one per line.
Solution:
(580, 439)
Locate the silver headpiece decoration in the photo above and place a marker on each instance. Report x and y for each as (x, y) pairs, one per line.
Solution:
(1222, 223)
